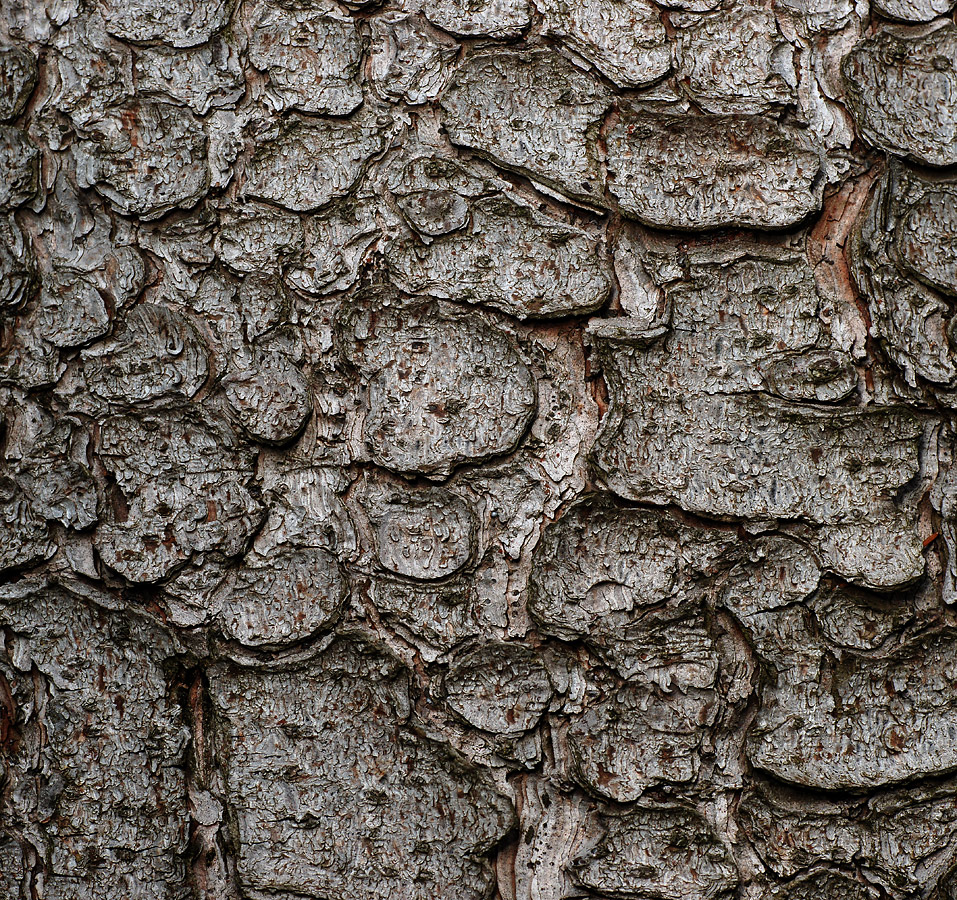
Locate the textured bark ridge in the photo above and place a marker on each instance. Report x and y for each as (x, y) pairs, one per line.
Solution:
(478, 449)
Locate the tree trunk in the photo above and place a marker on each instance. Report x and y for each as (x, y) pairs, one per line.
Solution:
(478, 449)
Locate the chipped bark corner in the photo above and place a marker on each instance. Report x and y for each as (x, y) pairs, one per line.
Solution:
(478, 449)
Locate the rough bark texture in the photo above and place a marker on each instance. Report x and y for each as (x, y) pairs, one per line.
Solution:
(478, 449)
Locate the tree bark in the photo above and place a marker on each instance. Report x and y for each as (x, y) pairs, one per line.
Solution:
(478, 449)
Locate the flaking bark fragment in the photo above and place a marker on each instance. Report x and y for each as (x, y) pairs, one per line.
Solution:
(444, 387)
(626, 41)
(897, 84)
(552, 109)
(698, 172)
(378, 812)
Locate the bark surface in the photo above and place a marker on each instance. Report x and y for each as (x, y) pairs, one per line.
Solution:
(478, 449)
